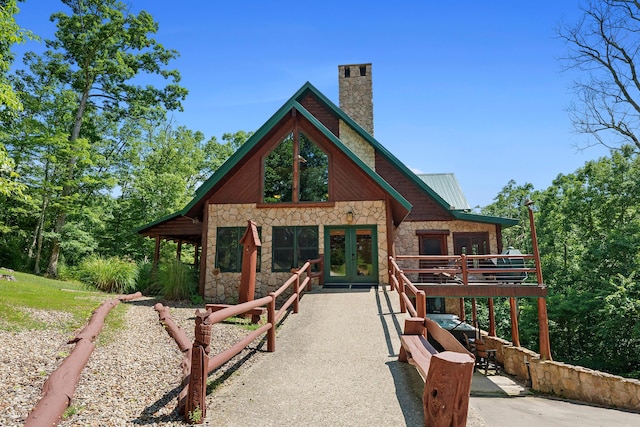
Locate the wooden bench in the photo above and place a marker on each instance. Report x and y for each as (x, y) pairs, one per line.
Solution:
(417, 351)
(447, 374)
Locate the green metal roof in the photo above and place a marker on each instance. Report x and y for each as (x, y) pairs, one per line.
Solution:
(402, 168)
(446, 185)
(293, 103)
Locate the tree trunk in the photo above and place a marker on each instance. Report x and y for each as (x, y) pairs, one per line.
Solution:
(39, 235)
(52, 269)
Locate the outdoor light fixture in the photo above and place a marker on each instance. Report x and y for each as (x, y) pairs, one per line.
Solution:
(349, 216)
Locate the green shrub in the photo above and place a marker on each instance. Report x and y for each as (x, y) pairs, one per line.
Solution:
(145, 281)
(113, 274)
(177, 280)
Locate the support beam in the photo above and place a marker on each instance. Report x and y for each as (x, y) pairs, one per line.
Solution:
(492, 319)
(204, 242)
(545, 346)
(474, 311)
(515, 334)
(156, 260)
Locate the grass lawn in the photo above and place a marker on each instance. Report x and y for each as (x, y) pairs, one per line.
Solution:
(24, 304)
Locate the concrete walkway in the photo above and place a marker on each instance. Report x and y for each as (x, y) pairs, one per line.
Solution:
(336, 364)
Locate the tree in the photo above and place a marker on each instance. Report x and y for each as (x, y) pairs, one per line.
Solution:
(603, 47)
(10, 34)
(510, 203)
(589, 236)
(100, 54)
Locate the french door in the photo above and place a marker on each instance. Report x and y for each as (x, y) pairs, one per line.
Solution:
(351, 254)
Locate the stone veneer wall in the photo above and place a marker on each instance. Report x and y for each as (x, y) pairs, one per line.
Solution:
(221, 287)
(407, 243)
(358, 145)
(356, 94)
(567, 381)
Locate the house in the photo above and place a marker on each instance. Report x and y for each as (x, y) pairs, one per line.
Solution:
(316, 181)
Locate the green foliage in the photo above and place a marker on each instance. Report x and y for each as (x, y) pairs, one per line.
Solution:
(177, 280)
(145, 281)
(588, 227)
(195, 416)
(510, 203)
(10, 34)
(114, 275)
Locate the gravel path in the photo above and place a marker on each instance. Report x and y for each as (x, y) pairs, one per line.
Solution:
(132, 380)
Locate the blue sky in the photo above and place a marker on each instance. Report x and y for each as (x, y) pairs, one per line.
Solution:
(474, 88)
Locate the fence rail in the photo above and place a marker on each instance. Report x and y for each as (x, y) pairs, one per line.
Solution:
(201, 364)
(466, 269)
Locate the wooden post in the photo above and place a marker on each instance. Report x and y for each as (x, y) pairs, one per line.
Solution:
(250, 243)
(545, 346)
(271, 319)
(196, 409)
(204, 244)
(403, 305)
(465, 272)
(474, 311)
(447, 389)
(296, 303)
(515, 335)
(156, 255)
(543, 319)
(179, 250)
(462, 311)
(421, 304)
(492, 319)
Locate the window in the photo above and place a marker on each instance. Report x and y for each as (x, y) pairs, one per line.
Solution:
(297, 170)
(278, 173)
(229, 248)
(314, 172)
(293, 246)
(471, 243)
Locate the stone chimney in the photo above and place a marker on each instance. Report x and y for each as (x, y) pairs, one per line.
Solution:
(356, 93)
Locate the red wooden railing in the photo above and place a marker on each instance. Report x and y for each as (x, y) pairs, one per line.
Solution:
(515, 274)
(193, 397)
(466, 269)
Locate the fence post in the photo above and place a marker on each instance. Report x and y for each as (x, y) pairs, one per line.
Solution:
(196, 408)
(421, 304)
(296, 302)
(403, 305)
(465, 273)
(271, 319)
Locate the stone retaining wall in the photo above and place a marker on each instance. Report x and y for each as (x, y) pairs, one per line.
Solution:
(566, 381)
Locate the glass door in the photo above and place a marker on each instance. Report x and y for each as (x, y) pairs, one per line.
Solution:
(352, 254)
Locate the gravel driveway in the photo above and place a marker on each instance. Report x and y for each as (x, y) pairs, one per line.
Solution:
(133, 380)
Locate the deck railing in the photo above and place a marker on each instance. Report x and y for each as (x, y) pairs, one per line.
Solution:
(466, 269)
(472, 276)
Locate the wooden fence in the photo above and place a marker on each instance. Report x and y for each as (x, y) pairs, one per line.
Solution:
(197, 363)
